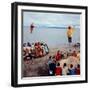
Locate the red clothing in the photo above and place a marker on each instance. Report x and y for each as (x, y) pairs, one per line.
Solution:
(74, 54)
(58, 71)
(77, 71)
(58, 56)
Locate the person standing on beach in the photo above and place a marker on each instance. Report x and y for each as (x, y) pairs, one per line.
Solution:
(70, 31)
(31, 27)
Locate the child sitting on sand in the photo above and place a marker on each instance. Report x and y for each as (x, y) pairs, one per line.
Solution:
(78, 55)
(70, 52)
(58, 70)
(65, 55)
(65, 69)
(72, 70)
(77, 70)
(74, 54)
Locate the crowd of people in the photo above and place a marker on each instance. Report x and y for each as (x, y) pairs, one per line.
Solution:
(38, 49)
(34, 50)
(55, 67)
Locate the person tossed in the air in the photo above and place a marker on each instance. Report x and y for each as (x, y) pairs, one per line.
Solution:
(32, 27)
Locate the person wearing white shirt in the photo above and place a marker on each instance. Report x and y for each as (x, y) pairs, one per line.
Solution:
(65, 70)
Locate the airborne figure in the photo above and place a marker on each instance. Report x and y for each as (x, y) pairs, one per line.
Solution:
(31, 27)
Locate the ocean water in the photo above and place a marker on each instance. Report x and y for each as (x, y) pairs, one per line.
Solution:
(51, 36)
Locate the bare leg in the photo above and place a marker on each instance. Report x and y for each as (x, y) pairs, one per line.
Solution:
(31, 30)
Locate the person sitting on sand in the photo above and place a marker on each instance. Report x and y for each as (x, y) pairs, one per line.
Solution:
(53, 58)
(40, 50)
(28, 44)
(29, 47)
(65, 69)
(72, 70)
(26, 54)
(65, 55)
(58, 70)
(24, 46)
(77, 70)
(43, 49)
(32, 46)
(70, 52)
(62, 55)
(74, 54)
(46, 48)
(29, 50)
(78, 55)
(58, 56)
(36, 50)
(33, 53)
(70, 31)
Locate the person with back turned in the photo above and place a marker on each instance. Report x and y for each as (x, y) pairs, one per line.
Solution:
(70, 32)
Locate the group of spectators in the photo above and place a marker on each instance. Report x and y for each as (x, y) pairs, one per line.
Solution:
(34, 50)
(67, 69)
(39, 49)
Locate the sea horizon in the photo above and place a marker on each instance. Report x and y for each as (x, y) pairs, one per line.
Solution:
(52, 36)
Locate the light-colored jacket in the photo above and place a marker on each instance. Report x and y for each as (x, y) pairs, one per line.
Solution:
(65, 71)
(70, 32)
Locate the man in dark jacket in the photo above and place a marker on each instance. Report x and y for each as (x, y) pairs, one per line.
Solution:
(52, 67)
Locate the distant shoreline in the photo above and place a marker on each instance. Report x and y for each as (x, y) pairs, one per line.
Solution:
(54, 27)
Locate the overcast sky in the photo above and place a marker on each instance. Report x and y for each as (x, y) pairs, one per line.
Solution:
(50, 19)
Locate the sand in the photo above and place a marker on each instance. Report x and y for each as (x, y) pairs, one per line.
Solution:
(39, 67)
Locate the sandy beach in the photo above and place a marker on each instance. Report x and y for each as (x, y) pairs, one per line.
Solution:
(38, 67)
